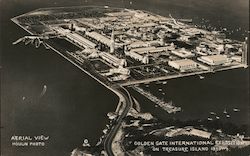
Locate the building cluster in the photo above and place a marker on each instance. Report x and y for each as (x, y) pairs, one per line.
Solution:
(111, 59)
(143, 37)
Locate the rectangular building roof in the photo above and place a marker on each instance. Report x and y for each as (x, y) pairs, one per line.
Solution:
(81, 40)
(100, 38)
(149, 49)
(215, 57)
(183, 62)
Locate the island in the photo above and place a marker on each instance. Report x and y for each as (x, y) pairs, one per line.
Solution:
(123, 48)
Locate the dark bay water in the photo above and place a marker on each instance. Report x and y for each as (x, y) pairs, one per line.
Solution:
(217, 92)
(75, 106)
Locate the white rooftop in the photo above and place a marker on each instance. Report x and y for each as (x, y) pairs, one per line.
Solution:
(215, 57)
(184, 62)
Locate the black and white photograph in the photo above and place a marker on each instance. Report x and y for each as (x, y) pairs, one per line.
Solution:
(124, 78)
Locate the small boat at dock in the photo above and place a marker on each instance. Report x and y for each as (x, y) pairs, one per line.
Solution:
(164, 82)
(201, 77)
(219, 130)
(225, 111)
(236, 110)
(43, 91)
(212, 113)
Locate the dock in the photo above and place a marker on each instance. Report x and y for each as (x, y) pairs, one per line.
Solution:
(167, 106)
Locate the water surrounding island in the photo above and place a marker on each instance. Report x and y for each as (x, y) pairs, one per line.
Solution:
(223, 91)
(74, 106)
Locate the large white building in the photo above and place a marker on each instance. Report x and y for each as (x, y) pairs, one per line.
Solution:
(183, 53)
(100, 38)
(80, 40)
(113, 60)
(142, 58)
(213, 59)
(182, 65)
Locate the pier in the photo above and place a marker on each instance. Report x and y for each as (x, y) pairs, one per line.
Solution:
(167, 106)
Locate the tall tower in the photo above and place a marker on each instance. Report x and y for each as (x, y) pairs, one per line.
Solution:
(112, 46)
(162, 42)
(245, 52)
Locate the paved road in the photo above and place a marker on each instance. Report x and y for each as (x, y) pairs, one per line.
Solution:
(161, 78)
(128, 104)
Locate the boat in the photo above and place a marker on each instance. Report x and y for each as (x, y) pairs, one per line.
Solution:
(219, 130)
(164, 82)
(228, 116)
(43, 91)
(217, 117)
(201, 77)
(160, 89)
(225, 111)
(212, 113)
(209, 119)
(236, 110)
(163, 93)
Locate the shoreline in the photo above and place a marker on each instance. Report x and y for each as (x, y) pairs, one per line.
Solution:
(122, 107)
(121, 98)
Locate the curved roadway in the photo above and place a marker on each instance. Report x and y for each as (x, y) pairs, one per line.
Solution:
(128, 104)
